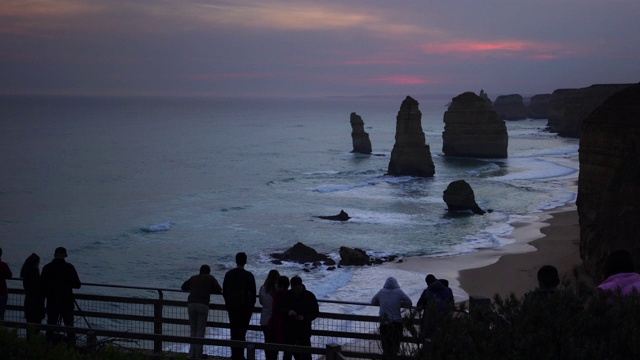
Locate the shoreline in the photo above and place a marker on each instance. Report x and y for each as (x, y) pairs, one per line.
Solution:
(551, 237)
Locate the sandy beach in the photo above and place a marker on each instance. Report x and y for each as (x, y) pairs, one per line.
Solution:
(546, 238)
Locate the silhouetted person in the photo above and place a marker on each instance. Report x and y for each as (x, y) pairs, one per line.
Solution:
(239, 291)
(200, 288)
(435, 302)
(5, 273)
(302, 308)
(33, 291)
(391, 300)
(59, 278)
(620, 275)
(280, 313)
(548, 281)
(265, 295)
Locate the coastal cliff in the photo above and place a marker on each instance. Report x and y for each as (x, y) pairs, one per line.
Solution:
(539, 106)
(410, 155)
(569, 107)
(473, 129)
(609, 183)
(510, 107)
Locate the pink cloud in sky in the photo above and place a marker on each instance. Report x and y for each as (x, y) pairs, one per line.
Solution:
(506, 48)
(202, 77)
(402, 80)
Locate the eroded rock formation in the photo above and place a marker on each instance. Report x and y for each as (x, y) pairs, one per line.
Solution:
(569, 107)
(411, 156)
(510, 107)
(459, 196)
(301, 253)
(473, 129)
(342, 216)
(360, 139)
(609, 182)
(539, 106)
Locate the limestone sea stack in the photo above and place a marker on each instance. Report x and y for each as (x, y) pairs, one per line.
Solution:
(459, 197)
(539, 106)
(569, 107)
(411, 156)
(473, 129)
(609, 182)
(510, 107)
(361, 142)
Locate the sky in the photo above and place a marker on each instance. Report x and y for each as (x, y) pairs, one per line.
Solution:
(302, 48)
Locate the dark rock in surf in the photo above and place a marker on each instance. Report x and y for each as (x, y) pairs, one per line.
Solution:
(360, 139)
(301, 253)
(350, 256)
(342, 216)
(459, 197)
(411, 156)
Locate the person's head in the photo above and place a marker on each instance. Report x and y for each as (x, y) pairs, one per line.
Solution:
(548, 277)
(618, 261)
(429, 279)
(32, 261)
(241, 259)
(60, 253)
(296, 284)
(205, 269)
(283, 282)
(271, 280)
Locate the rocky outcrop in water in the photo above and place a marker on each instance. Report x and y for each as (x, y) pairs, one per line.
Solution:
(342, 216)
(539, 106)
(569, 107)
(358, 257)
(459, 196)
(411, 156)
(473, 129)
(510, 107)
(301, 253)
(609, 182)
(360, 139)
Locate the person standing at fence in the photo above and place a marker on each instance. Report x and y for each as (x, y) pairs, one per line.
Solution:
(391, 300)
(59, 278)
(5, 273)
(265, 295)
(33, 292)
(200, 288)
(239, 292)
(280, 313)
(302, 308)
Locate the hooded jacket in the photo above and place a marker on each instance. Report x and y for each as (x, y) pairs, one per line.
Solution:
(625, 281)
(391, 299)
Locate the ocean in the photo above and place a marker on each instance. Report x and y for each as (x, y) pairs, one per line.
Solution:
(223, 175)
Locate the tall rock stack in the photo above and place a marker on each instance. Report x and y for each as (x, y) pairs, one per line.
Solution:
(473, 129)
(411, 156)
(510, 107)
(361, 142)
(609, 181)
(570, 107)
(539, 106)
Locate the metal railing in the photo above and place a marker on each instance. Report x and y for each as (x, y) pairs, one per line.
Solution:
(144, 318)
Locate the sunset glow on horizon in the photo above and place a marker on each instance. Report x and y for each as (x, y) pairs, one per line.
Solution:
(298, 48)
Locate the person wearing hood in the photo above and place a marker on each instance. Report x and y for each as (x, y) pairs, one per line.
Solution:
(620, 274)
(436, 301)
(391, 300)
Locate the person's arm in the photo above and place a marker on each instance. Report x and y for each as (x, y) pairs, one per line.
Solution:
(6, 271)
(314, 308)
(375, 300)
(75, 280)
(405, 300)
(252, 290)
(215, 286)
(186, 285)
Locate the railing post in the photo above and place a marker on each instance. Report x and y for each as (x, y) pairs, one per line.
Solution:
(251, 352)
(332, 351)
(157, 321)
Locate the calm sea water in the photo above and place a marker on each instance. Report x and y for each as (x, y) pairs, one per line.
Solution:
(229, 175)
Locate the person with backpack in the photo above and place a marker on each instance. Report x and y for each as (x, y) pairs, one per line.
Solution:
(436, 301)
(391, 300)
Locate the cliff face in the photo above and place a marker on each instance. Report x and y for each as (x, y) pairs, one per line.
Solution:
(539, 106)
(473, 129)
(360, 139)
(609, 182)
(510, 107)
(569, 107)
(410, 155)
